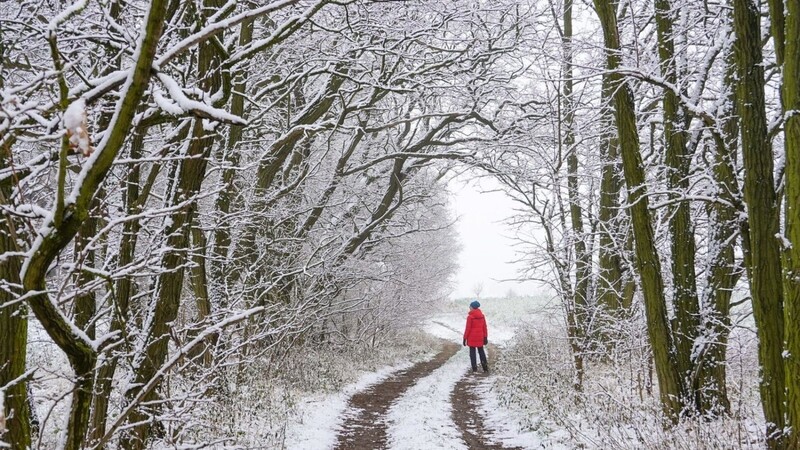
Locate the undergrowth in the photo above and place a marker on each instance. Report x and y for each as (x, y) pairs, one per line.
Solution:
(618, 407)
(259, 400)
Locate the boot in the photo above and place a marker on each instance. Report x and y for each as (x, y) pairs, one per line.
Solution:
(485, 367)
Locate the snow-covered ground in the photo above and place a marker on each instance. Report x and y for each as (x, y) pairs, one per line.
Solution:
(317, 419)
(507, 426)
(421, 418)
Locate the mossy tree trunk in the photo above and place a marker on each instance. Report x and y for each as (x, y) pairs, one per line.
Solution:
(684, 283)
(791, 104)
(647, 262)
(13, 326)
(583, 259)
(759, 194)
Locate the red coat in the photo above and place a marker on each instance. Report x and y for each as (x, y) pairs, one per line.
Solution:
(476, 330)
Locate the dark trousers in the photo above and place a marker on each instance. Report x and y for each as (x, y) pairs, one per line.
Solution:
(472, 357)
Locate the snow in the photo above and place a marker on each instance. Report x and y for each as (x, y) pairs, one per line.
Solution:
(186, 104)
(166, 105)
(422, 417)
(785, 243)
(75, 114)
(316, 423)
(64, 15)
(505, 424)
(77, 129)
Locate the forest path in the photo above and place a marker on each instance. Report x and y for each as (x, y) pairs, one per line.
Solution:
(366, 425)
(465, 410)
(369, 412)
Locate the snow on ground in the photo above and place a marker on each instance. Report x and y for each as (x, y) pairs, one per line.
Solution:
(422, 417)
(317, 421)
(506, 426)
(503, 316)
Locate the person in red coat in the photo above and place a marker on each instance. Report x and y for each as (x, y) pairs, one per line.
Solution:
(476, 335)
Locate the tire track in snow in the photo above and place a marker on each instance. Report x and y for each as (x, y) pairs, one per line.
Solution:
(365, 426)
(466, 410)
(423, 417)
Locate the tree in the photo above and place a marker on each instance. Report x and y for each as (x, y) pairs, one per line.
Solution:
(759, 194)
(477, 289)
(647, 261)
(791, 106)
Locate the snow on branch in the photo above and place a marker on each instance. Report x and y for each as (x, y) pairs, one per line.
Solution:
(185, 104)
(215, 27)
(75, 122)
(426, 156)
(174, 360)
(66, 14)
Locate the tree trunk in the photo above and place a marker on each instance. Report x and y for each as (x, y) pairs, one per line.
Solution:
(791, 104)
(230, 155)
(85, 302)
(170, 283)
(759, 194)
(723, 273)
(610, 281)
(134, 198)
(199, 282)
(583, 261)
(647, 262)
(190, 177)
(678, 159)
(14, 326)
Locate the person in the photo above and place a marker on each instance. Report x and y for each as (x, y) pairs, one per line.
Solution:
(476, 335)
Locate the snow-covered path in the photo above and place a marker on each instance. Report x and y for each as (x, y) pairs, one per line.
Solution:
(422, 418)
(414, 407)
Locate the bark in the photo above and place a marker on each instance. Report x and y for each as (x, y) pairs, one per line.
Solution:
(610, 267)
(684, 296)
(580, 327)
(85, 302)
(80, 353)
(199, 281)
(14, 326)
(647, 261)
(778, 28)
(791, 105)
(190, 176)
(759, 194)
(723, 271)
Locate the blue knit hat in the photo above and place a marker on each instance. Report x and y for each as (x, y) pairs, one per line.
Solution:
(475, 304)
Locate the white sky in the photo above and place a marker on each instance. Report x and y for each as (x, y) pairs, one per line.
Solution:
(487, 249)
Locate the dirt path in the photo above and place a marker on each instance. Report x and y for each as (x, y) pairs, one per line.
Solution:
(366, 428)
(465, 410)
